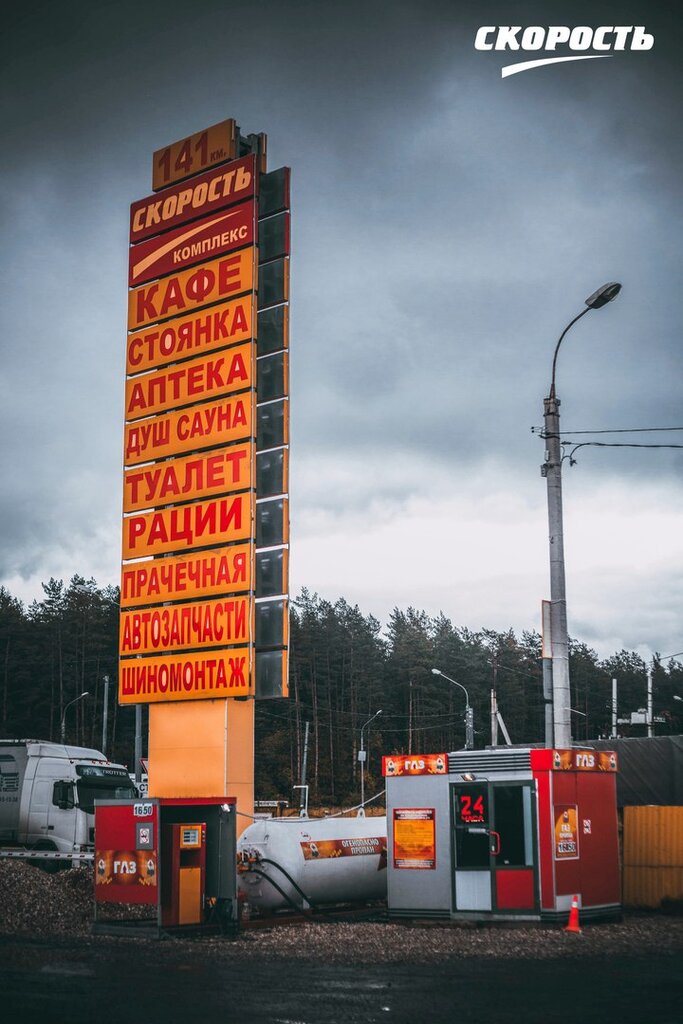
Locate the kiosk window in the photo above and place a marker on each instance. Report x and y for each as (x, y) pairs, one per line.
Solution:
(513, 824)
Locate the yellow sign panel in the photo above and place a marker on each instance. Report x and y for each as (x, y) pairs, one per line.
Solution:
(224, 622)
(199, 286)
(223, 471)
(414, 837)
(566, 832)
(199, 426)
(204, 574)
(192, 335)
(176, 677)
(202, 524)
(194, 154)
(182, 384)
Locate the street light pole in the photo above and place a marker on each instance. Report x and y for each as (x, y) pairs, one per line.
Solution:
(85, 693)
(552, 471)
(469, 711)
(362, 759)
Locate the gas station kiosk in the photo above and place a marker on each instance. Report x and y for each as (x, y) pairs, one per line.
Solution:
(508, 833)
(176, 856)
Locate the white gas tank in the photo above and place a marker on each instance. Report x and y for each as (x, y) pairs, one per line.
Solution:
(330, 860)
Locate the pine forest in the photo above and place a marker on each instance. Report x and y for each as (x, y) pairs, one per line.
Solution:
(344, 667)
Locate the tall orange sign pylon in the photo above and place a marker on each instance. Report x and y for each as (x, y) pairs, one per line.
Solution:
(204, 592)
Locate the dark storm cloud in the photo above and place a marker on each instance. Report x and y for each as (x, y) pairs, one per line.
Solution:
(447, 225)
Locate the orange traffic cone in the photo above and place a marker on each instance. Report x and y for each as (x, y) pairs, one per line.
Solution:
(573, 922)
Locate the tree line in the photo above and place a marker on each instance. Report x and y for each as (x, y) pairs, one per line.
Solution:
(344, 667)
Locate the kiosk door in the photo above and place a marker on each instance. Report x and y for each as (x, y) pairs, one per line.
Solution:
(494, 848)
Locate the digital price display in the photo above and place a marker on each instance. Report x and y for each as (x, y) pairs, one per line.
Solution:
(471, 806)
(190, 837)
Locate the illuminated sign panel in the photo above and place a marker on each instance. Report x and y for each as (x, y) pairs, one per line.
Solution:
(183, 383)
(414, 838)
(193, 199)
(200, 426)
(199, 286)
(184, 336)
(202, 574)
(415, 764)
(204, 524)
(191, 244)
(221, 623)
(197, 476)
(190, 156)
(575, 760)
(471, 805)
(172, 677)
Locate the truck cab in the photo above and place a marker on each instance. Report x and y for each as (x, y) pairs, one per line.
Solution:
(49, 790)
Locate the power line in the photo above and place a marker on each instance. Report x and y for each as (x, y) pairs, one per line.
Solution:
(324, 722)
(535, 676)
(615, 444)
(618, 430)
(622, 430)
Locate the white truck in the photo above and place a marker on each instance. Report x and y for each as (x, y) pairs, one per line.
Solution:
(47, 794)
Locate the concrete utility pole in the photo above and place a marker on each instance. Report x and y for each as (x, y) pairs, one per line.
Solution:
(494, 719)
(547, 665)
(562, 733)
(552, 471)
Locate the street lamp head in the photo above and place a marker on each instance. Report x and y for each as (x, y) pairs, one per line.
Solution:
(86, 693)
(437, 672)
(676, 697)
(603, 295)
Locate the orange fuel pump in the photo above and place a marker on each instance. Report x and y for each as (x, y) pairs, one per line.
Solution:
(187, 868)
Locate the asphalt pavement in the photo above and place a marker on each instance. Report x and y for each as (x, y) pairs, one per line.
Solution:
(132, 981)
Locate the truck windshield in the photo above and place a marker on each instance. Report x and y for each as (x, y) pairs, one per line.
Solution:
(93, 788)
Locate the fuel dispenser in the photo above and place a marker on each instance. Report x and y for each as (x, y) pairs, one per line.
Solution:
(175, 856)
(187, 860)
(507, 833)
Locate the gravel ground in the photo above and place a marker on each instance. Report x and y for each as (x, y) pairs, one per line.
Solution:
(38, 904)
(34, 902)
(391, 943)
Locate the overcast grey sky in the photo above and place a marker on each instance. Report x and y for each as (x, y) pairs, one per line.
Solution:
(447, 224)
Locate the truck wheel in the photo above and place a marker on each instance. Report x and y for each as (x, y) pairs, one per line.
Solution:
(51, 866)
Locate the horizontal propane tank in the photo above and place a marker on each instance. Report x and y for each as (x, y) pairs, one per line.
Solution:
(286, 862)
